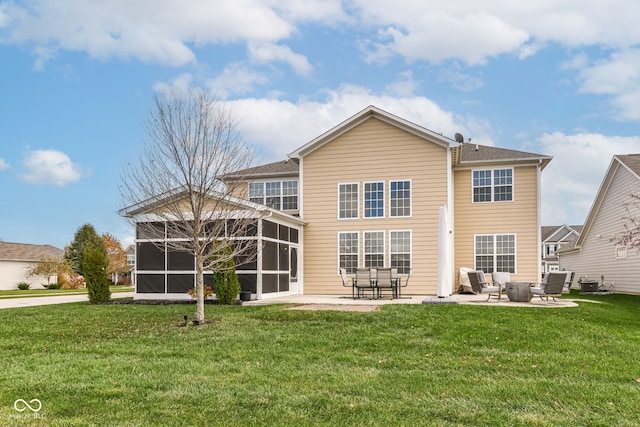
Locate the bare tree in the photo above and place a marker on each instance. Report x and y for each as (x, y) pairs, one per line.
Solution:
(630, 237)
(193, 142)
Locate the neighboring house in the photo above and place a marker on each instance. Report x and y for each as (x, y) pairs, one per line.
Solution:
(367, 193)
(17, 258)
(554, 237)
(595, 252)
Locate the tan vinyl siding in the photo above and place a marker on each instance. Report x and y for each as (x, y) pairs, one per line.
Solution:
(519, 217)
(372, 151)
(598, 250)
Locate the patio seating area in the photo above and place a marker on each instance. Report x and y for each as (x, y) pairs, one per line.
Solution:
(342, 300)
(373, 283)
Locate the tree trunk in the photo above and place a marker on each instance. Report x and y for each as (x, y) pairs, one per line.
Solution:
(199, 316)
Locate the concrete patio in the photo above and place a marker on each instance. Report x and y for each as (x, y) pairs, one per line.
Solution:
(342, 302)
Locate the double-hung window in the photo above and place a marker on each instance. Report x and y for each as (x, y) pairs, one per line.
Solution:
(400, 250)
(348, 245)
(495, 252)
(374, 249)
(348, 201)
(275, 194)
(400, 198)
(374, 199)
(493, 185)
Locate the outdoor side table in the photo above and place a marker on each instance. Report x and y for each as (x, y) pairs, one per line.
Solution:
(518, 291)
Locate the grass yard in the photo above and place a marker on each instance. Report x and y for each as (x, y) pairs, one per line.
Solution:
(422, 365)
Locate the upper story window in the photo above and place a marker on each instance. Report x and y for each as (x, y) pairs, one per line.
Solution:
(348, 201)
(281, 195)
(400, 198)
(493, 185)
(374, 199)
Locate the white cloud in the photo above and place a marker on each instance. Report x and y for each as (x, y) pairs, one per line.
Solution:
(3, 165)
(270, 52)
(572, 179)
(49, 167)
(405, 85)
(149, 30)
(278, 127)
(236, 79)
(619, 77)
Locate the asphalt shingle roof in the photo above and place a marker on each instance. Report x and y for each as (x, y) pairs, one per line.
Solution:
(276, 169)
(471, 152)
(632, 161)
(27, 252)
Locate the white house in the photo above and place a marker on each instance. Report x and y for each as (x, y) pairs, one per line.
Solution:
(15, 260)
(596, 252)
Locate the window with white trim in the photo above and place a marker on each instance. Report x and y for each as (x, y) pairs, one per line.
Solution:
(400, 250)
(492, 185)
(400, 198)
(348, 201)
(374, 199)
(348, 245)
(374, 249)
(281, 195)
(495, 252)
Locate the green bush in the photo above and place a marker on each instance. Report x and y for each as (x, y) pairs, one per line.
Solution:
(23, 286)
(54, 286)
(226, 284)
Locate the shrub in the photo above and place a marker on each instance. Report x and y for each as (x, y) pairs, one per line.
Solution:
(54, 286)
(75, 281)
(95, 264)
(23, 286)
(227, 286)
(125, 281)
(208, 292)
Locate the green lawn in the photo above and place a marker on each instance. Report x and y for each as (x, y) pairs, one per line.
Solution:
(422, 365)
(16, 293)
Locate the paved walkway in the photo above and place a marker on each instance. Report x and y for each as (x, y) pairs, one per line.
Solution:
(54, 299)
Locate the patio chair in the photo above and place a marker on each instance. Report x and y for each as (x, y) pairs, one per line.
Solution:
(384, 282)
(363, 283)
(398, 284)
(347, 283)
(553, 286)
(500, 278)
(480, 285)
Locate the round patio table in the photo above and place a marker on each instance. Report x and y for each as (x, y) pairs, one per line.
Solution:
(518, 291)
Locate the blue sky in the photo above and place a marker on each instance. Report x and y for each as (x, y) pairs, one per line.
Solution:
(559, 77)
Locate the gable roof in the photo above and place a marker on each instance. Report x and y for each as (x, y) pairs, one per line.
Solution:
(281, 169)
(150, 204)
(27, 252)
(557, 233)
(476, 153)
(364, 115)
(631, 162)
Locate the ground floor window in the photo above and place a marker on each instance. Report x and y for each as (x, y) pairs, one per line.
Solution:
(374, 249)
(400, 251)
(348, 251)
(495, 252)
